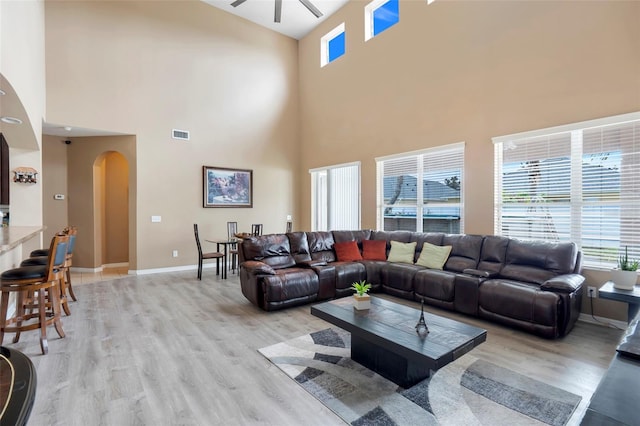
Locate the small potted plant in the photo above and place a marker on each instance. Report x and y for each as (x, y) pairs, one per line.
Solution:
(361, 298)
(626, 276)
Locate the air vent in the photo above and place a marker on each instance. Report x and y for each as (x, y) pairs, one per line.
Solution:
(181, 134)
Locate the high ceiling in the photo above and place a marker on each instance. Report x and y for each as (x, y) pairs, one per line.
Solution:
(296, 19)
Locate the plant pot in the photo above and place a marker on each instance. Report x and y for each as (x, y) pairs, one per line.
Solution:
(361, 303)
(624, 280)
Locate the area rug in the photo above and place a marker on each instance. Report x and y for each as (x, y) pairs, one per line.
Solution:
(467, 392)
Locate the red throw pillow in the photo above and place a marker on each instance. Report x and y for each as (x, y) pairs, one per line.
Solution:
(347, 251)
(374, 249)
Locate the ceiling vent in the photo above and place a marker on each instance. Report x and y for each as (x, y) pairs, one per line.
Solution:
(181, 134)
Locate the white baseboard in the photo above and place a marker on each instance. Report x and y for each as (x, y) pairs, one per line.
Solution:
(87, 270)
(143, 271)
(168, 269)
(605, 322)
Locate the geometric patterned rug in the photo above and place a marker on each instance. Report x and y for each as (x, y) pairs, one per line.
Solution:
(468, 391)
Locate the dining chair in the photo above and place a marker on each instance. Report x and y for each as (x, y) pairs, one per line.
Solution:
(232, 230)
(203, 256)
(256, 229)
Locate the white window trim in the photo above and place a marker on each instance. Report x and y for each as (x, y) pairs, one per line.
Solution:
(324, 44)
(550, 131)
(368, 17)
(456, 145)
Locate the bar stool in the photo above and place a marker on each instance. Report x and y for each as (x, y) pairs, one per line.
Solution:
(72, 232)
(37, 295)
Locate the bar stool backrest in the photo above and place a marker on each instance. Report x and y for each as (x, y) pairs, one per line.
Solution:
(58, 255)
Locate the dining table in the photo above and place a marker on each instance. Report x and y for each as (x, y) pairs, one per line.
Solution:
(225, 244)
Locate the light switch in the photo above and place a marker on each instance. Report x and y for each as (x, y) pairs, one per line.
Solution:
(156, 218)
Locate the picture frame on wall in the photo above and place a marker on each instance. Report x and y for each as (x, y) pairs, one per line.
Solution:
(224, 187)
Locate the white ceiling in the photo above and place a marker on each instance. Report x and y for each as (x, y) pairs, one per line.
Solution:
(296, 20)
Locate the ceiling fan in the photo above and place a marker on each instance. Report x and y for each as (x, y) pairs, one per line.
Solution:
(278, 8)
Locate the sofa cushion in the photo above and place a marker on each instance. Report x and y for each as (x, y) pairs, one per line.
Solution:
(374, 249)
(299, 246)
(397, 278)
(290, 283)
(321, 246)
(538, 261)
(432, 256)
(347, 251)
(434, 284)
(518, 300)
(274, 250)
(348, 273)
(401, 252)
(465, 251)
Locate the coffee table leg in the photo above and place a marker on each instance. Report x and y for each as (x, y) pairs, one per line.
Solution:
(389, 365)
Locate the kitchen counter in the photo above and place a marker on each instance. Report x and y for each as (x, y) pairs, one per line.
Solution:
(12, 236)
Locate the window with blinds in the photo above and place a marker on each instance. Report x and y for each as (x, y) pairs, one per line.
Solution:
(335, 197)
(422, 191)
(579, 182)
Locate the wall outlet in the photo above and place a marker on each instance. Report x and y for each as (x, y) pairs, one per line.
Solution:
(175, 253)
(592, 291)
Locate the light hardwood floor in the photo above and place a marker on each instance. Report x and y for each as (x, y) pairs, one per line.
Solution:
(167, 349)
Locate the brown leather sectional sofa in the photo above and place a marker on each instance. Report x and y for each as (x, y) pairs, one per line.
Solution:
(534, 286)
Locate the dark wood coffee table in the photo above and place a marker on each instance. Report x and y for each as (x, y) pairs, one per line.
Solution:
(384, 338)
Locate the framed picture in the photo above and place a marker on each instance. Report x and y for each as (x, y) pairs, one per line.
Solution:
(227, 187)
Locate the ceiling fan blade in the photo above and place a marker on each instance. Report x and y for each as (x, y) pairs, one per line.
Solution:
(278, 11)
(237, 3)
(311, 8)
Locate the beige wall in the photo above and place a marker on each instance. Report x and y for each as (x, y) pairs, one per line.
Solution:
(464, 71)
(54, 181)
(145, 68)
(90, 203)
(116, 208)
(22, 78)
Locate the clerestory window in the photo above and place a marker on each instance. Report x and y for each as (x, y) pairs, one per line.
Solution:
(380, 15)
(332, 45)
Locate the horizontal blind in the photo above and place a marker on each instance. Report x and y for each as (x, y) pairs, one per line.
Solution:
(421, 190)
(579, 184)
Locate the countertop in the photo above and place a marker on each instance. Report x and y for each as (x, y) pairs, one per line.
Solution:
(12, 236)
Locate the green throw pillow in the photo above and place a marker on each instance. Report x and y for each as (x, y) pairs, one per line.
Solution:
(433, 257)
(402, 252)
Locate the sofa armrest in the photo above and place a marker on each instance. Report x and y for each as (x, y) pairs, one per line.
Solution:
(311, 263)
(567, 283)
(479, 273)
(255, 267)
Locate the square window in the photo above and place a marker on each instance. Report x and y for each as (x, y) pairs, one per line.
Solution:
(380, 15)
(332, 45)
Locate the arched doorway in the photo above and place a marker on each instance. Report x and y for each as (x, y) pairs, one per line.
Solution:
(111, 209)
